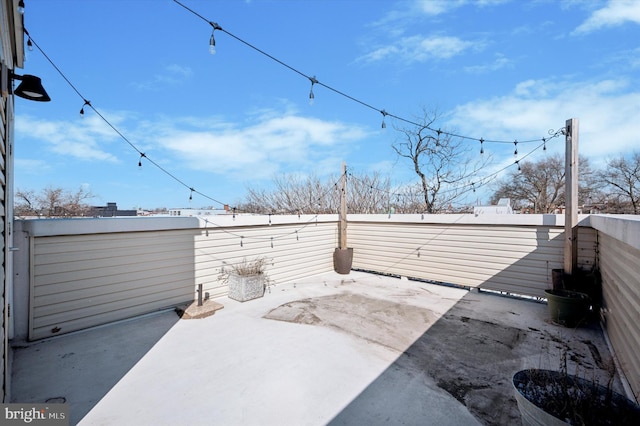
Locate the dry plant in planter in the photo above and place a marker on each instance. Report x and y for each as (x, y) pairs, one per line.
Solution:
(547, 397)
(247, 279)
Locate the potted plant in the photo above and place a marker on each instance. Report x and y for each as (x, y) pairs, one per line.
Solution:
(571, 298)
(547, 397)
(247, 279)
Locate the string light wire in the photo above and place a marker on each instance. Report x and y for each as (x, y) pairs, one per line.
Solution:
(88, 104)
(341, 93)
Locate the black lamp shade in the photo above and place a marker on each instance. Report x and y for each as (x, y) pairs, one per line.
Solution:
(31, 88)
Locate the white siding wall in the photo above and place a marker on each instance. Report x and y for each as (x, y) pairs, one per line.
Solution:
(84, 280)
(465, 250)
(619, 248)
(88, 272)
(295, 250)
(11, 56)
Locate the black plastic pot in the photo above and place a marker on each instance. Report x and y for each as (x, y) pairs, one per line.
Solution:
(568, 308)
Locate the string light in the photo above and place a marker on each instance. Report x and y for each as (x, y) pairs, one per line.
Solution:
(29, 44)
(544, 144)
(212, 40)
(311, 95)
(104, 119)
(338, 91)
(481, 146)
(473, 186)
(515, 152)
(142, 154)
(384, 115)
(313, 81)
(21, 7)
(86, 102)
(191, 194)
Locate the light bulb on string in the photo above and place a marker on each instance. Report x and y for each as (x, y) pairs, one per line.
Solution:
(142, 154)
(212, 40)
(212, 44)
(544, 144)
(518, 163)
(384, 114)
(86, 102)
(191, 195)
(311, 95)
(21, 7)
(30, 45)
(481, 146)
(515, 152)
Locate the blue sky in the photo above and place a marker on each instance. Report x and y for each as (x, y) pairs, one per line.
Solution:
(496, 69)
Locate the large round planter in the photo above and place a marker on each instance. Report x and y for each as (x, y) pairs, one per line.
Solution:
(568, 308)
(342, 260)
(552, 398)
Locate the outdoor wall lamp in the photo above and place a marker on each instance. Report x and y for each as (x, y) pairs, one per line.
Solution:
(30, 87)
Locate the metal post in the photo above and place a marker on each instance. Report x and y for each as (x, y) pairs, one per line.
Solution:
(571, 197)
(199, 294)
(343, 208)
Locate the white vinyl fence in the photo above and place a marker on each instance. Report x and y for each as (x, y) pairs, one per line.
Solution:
(619, 256)
(77, 273)
(508, 253)
(86, 272)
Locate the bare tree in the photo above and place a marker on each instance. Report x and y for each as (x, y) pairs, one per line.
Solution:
(52, 202)
(442, 162)
(620, 179)
(540, 185)
(295, 194)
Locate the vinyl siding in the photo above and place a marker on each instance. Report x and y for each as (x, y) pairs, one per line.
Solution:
(510, 258)
(621, 291)
(84, 280)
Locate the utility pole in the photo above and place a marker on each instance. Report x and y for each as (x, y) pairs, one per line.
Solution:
(571, 197)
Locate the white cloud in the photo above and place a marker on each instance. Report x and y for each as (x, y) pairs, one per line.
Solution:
(500, 62)
(172, 75)
(420, 49)
(438, 7)
(82, 139)
(603, 108)
(262, 148)
(31, 166)
(616, 12)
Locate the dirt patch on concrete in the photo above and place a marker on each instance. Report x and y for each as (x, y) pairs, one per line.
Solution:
(390, 324)
(474, 361)
(470, 352)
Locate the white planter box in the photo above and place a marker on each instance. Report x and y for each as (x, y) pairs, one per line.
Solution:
(243, 288)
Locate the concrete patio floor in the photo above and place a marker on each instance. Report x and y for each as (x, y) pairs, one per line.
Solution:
(332, 349)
